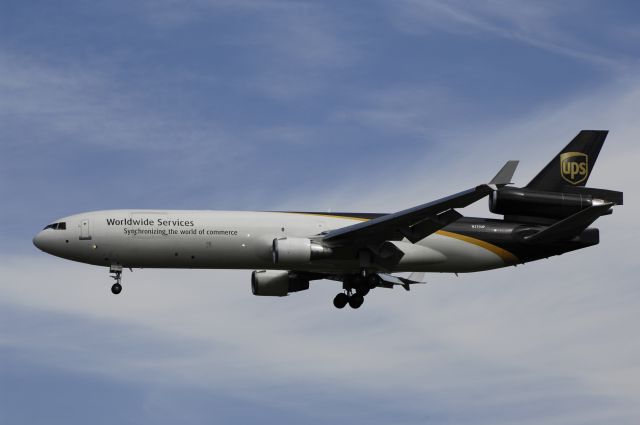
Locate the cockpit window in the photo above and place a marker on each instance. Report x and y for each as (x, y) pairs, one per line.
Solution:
(57, 226)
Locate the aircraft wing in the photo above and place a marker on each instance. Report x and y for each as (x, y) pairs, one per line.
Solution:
(418, 222)
(414, 223)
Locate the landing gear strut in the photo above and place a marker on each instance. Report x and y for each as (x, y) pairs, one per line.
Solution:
(356, 287)
(116, 271)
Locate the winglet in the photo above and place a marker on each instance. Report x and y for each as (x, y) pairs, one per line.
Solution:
(505, 174)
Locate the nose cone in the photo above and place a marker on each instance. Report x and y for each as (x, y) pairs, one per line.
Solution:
(37, 241)
(45, 241)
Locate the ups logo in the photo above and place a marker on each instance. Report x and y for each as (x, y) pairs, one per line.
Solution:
(574, 167)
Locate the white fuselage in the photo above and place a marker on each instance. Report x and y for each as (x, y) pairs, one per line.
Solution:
(237, 240)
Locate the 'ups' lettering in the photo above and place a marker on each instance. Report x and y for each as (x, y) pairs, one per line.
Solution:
(574, 167)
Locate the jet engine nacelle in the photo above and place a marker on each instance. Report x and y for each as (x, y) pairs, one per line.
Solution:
(527, 202)
(297, 250)
(276, 283)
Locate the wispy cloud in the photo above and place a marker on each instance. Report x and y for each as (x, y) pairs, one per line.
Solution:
(290, 45)
(86, 105)
(468, 349)
(537, 24)
(403, 110)
(547, 342)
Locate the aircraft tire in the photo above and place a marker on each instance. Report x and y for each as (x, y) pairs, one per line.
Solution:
(340, 300)
(356, 300)
(116, 288)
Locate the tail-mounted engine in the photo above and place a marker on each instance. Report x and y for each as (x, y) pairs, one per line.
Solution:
(276, 283)
(554, 205)
(297, 250)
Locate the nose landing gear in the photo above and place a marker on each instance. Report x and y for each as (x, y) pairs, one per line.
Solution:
(116, 271)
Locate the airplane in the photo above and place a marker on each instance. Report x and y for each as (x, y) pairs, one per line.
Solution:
(289, 249)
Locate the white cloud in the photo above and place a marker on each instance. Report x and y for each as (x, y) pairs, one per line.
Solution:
(293, 48)
(41, 101)
(534, 24)
(480, 342)
(475, 151)
(404, 109)
(553, 341)
(557, 335)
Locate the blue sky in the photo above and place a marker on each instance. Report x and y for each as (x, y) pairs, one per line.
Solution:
(366, 106)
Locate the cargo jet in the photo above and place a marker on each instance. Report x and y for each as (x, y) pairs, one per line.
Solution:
(549, 216)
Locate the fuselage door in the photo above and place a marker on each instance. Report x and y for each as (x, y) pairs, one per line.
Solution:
(85, 235)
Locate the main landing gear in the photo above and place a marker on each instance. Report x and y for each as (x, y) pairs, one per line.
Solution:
(116, 271)
(354, 300)
(361, 284)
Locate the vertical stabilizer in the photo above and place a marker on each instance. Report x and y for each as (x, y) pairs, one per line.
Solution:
(573, 165)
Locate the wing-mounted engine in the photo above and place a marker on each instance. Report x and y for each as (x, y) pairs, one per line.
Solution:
(276, 283)
(297, 251)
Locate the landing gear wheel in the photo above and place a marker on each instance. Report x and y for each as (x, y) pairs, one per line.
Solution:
(356, 300)
(340, 300)
(116, 271)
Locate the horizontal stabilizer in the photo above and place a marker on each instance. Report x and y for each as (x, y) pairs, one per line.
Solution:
(505, 175)
(604, 194)
(571, 226)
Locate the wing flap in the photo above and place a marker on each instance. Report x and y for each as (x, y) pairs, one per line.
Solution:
(430, 225)
(389, 281)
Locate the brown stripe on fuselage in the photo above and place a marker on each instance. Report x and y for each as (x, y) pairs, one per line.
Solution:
(347, 216)
(505, 255)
